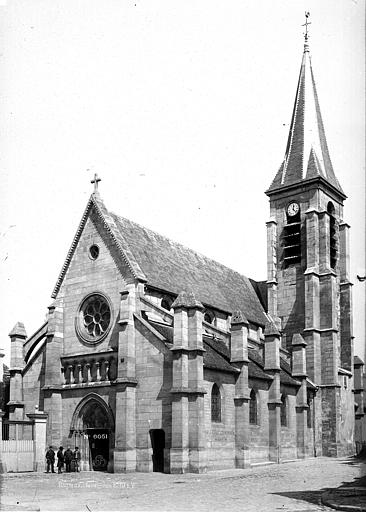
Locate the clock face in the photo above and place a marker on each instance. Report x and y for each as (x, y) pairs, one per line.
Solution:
(293, 209)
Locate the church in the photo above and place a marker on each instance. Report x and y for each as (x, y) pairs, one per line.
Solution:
(156, 358)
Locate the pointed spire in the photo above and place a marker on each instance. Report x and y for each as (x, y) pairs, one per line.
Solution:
(187, 300)
(307, 155)
(18, 331)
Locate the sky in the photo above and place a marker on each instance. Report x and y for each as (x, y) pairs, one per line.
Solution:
(183, 109)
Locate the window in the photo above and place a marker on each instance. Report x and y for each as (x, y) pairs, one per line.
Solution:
(333, 242)
(215, 404)
(94, 318)
(309, 416)
(291, 236)
(284, 411)
(209, 317)
(94, 252)
(166, 303)
(253, 408)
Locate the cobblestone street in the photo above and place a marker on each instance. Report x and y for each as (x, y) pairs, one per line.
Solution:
(293, 486)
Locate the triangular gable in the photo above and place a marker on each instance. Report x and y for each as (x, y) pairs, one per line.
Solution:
(111, 228)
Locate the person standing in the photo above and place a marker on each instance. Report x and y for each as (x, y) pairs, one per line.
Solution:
(60, 459)
(68, 456)
(77, 457)
(50, 459)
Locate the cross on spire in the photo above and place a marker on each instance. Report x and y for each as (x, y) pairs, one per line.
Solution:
(95, 182)
(306, 24)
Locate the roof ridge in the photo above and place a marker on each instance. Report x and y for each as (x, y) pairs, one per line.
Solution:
(201, 255)
(293, 122)
(215, 348)
(122, 249)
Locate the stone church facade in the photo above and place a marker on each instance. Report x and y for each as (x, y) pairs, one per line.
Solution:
(156, 358)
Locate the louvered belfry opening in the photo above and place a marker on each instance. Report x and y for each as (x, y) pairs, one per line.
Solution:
(292, 240)
(333, 233)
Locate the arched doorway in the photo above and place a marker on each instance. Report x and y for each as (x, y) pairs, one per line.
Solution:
(92, 428)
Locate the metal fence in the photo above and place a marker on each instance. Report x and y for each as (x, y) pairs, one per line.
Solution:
(13, 430)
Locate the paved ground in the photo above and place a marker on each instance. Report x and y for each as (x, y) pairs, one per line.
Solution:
(294, 486)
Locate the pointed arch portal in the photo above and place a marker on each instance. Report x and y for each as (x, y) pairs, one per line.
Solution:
(92, 429)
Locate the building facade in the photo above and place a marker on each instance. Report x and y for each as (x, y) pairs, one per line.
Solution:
(156, 358)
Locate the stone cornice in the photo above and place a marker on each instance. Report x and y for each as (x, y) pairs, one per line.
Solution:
(107, 354)
(242, 398)
(272, 281)
(316, 329)
(15, 403)
(274, 402)
(343, 284)
(126, 381)
(183, 350)
(329, 386)
(318, 273)
(300, 375)
(301, 407)
(188, 391)
(317, 182)
(271, 221)
(16, 369)
(34, 416)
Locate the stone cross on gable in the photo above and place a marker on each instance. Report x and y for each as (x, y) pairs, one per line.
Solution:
(95, 182)
(307, 15)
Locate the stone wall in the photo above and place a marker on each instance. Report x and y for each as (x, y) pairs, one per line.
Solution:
(153, 398)
(346, 445)
(288, 450)
(259, 433)
(220, 436)
(33, 381)
(85, 276)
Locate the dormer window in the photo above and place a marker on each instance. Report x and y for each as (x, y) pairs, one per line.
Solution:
(209, 317)
(166, 303)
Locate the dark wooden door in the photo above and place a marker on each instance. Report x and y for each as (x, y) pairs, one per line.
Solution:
(157, 437)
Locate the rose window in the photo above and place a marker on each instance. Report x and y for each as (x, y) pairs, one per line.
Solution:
(94, 318)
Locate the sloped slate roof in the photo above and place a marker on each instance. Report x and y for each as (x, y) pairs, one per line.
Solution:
(165, 330)
(357, 361)
(285, 374)
(307, 155)
(256, 366)
(216, 356)
(212, 359)
(170, 266)
(260, 288)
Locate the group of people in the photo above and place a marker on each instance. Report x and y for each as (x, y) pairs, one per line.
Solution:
(68, 458)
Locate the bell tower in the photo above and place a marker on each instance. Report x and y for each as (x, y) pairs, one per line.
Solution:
(309, 288)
